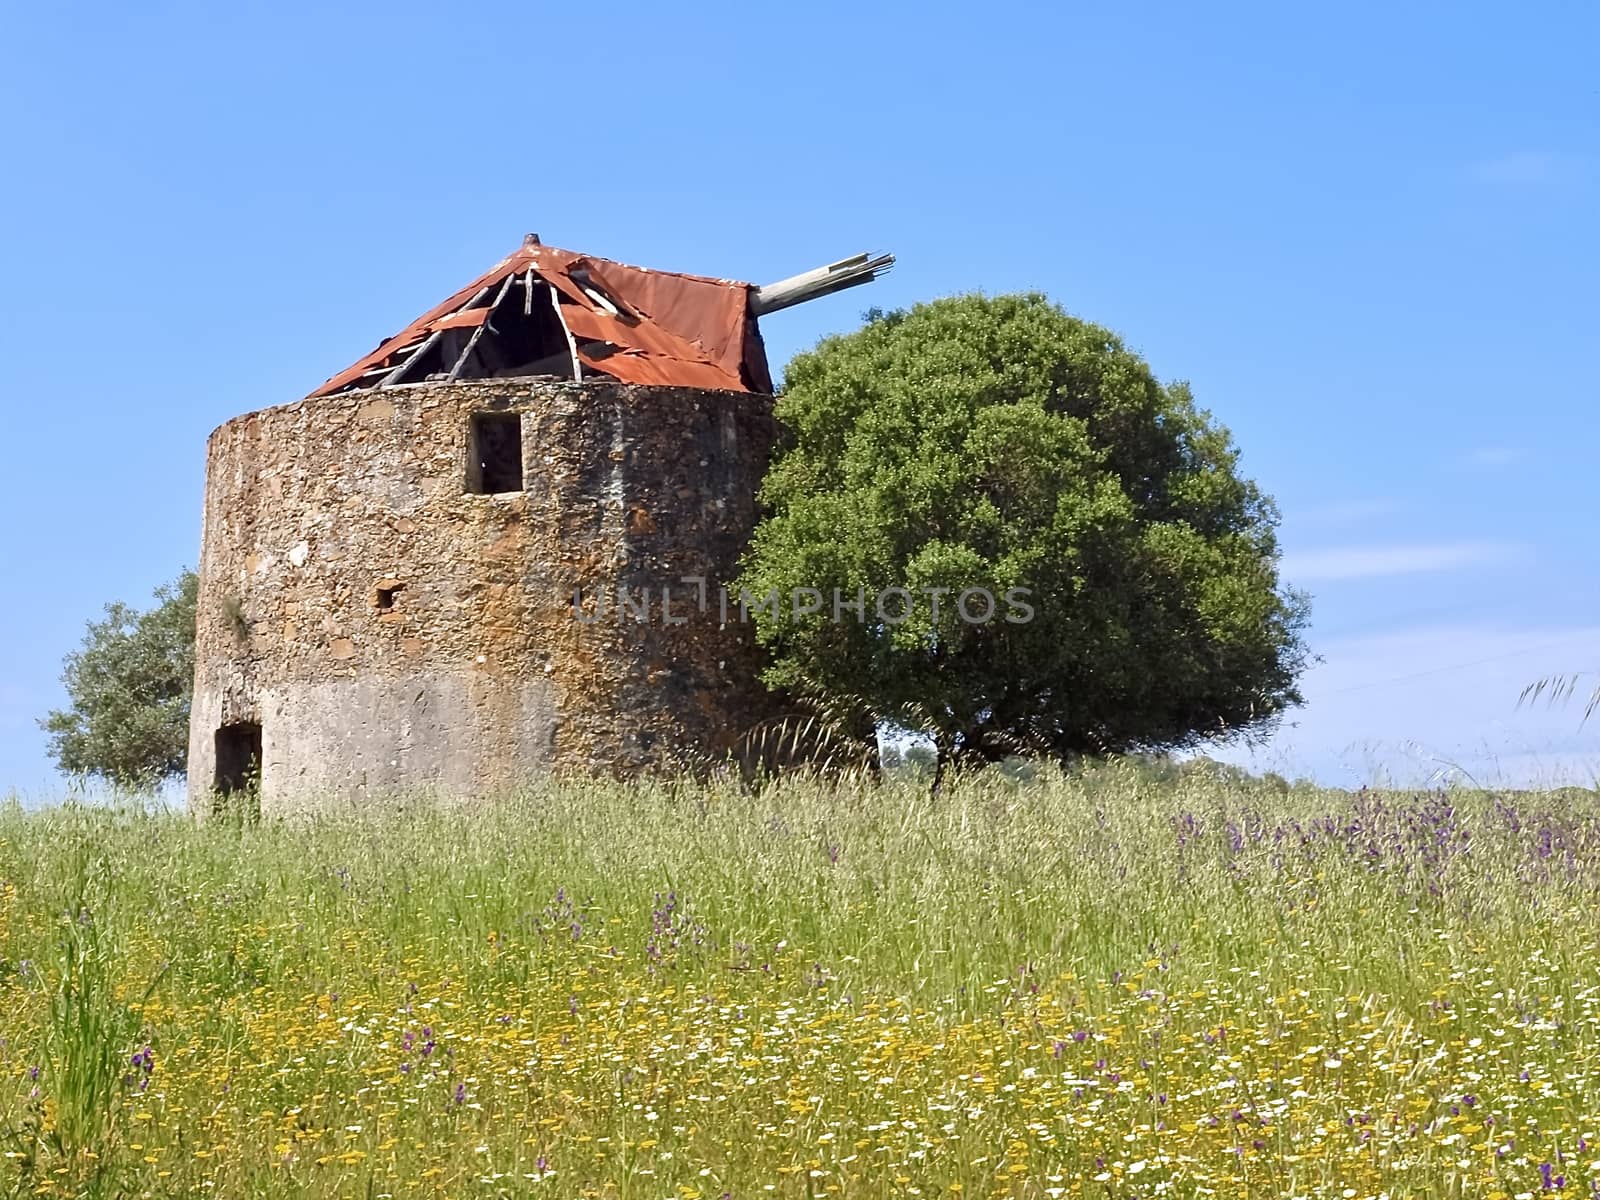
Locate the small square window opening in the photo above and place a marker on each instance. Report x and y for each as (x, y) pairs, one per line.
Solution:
(494, 453)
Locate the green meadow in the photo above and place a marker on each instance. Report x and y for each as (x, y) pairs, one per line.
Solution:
(1101, 984)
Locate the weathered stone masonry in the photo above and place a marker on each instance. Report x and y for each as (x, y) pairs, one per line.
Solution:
(377, 625)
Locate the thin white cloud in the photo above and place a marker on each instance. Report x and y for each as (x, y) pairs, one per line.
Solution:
(1341, 512)
(1530, 168)
(1376, 562)
(1437, 704)
(1493, 457)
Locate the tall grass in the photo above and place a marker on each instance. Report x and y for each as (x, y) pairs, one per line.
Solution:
(218, 1005)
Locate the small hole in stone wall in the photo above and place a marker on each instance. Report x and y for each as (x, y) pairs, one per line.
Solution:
(494, 453)
(238, 755)
(386, 595)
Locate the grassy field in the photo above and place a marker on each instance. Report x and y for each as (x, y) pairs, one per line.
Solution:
(1095, 986)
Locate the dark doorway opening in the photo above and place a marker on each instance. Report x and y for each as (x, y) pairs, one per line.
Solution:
(238, 752)
(494, 453)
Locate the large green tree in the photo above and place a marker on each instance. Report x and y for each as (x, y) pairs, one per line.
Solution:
(999, 444)
(130, 686)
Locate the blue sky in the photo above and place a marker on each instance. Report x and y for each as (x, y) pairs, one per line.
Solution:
(1366, 235)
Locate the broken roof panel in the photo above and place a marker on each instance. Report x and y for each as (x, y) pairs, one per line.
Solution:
(632, 366)
(467, 318)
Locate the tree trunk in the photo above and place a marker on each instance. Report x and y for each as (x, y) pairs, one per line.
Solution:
(864, 729)
(944, 749)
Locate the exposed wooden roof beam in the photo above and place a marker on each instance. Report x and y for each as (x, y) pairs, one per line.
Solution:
(478, 332)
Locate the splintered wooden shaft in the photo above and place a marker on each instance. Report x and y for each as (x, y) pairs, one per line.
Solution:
(824, 281)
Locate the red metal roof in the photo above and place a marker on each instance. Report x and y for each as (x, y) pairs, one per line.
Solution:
(666, 329)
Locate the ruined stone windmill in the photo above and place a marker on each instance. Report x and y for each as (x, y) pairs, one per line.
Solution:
(388, 566)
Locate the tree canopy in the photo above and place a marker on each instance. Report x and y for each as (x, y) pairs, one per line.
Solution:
(996, 446)
(130, 686)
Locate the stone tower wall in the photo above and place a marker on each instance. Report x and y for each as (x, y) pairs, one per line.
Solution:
(386, 628)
